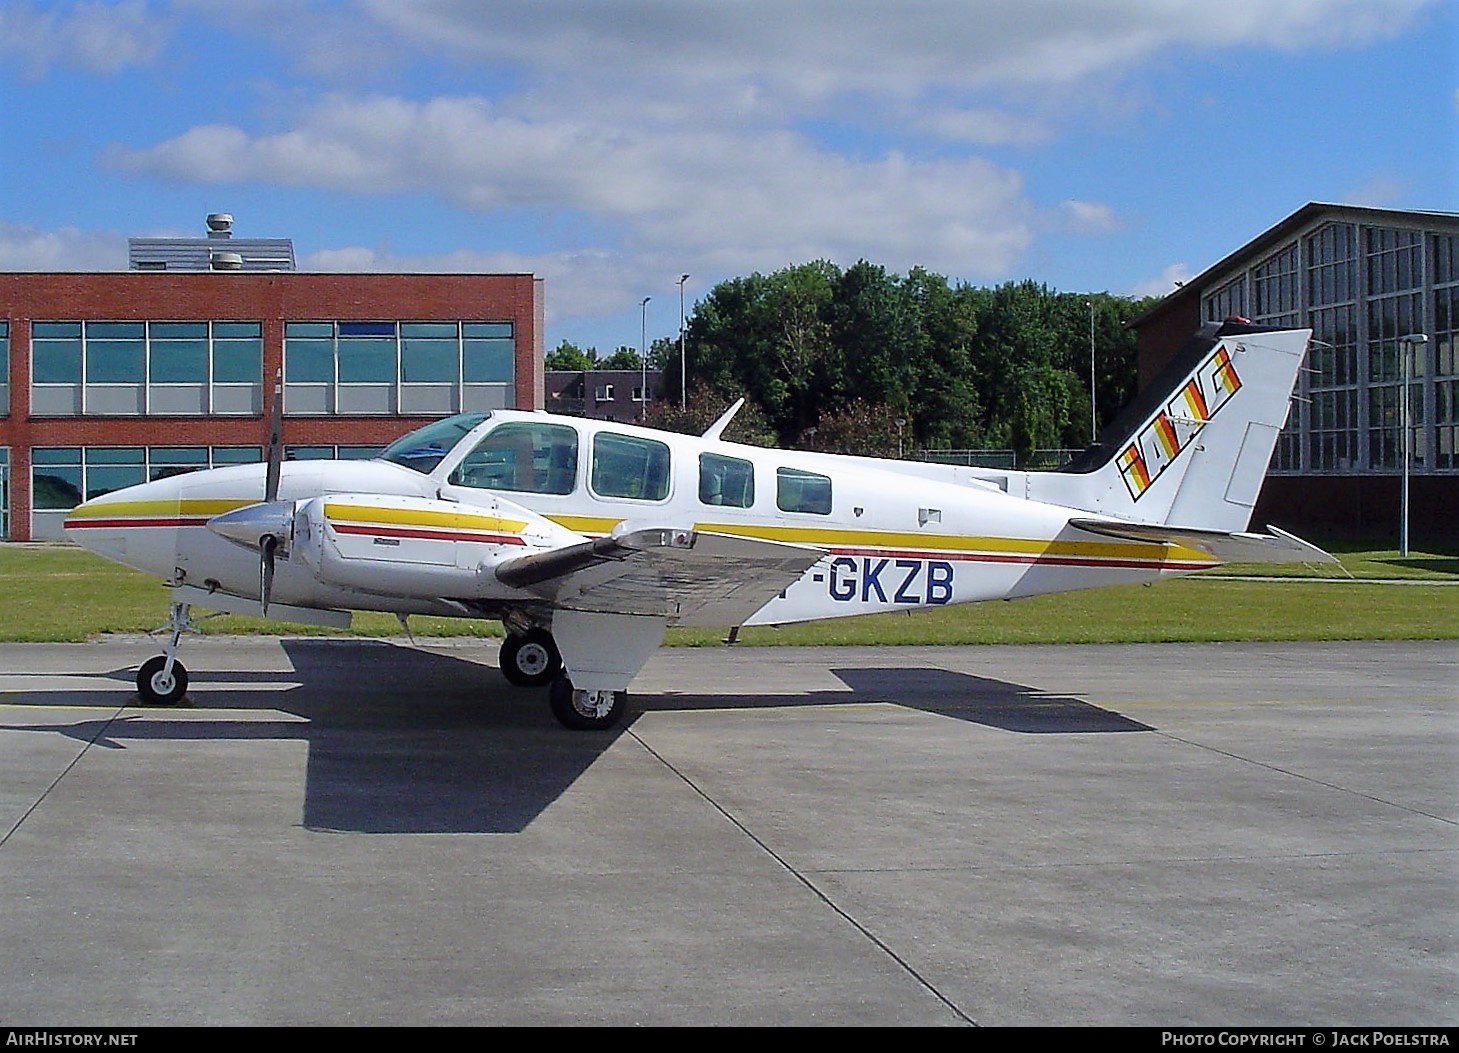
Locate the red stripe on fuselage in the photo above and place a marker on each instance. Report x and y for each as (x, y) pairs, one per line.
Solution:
(429, 535)
(87, 524)
(1053, 561)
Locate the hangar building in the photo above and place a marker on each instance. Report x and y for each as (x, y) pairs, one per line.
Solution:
(110, 379)
(1362, 278)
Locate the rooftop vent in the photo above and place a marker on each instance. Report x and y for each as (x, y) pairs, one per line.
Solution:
(225, 261)
(220, 224)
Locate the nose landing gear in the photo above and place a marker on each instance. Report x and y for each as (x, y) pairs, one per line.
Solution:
(162, 679)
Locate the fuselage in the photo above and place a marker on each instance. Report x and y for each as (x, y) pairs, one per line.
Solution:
(891, 540)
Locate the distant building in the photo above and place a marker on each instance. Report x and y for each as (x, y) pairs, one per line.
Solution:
(110, 379)
(604, 394)
(1361, 278)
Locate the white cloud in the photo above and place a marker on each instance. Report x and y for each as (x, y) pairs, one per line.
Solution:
(1381, 191)
(24, 248)
(96, 37)
(1088, 217)
(819, 47)
(762, 199)
(1176, 274)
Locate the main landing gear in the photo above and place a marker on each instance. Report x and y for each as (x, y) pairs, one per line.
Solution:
(530, 659)
(579, 710)
(162, 680)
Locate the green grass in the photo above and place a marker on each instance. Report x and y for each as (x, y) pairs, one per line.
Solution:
(62, 593)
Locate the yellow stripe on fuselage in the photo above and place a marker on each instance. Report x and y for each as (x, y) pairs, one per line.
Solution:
(830, 537)
(152, 509)
(420, 517)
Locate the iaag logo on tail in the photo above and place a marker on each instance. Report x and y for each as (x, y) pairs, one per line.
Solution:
(1171, 430)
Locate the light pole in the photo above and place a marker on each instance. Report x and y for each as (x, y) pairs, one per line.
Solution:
(901, 423)
(683, 381)
(1407, 343)
(643, 358)
(1093, 416)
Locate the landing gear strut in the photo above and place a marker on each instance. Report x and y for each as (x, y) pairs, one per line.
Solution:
(162, 680)
(530, 659)
(579, 710)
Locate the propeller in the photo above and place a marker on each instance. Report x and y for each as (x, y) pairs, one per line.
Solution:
(268, 544)
(266, 547)
(267, 526)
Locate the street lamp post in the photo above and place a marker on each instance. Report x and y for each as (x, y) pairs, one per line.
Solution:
(1093, 416)
(643, 359)
(1407, 343)
(683, 374)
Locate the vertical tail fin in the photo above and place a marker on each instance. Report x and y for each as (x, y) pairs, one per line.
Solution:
(1193, 449)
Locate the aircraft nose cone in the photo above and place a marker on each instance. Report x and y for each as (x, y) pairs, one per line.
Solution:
(250, 524)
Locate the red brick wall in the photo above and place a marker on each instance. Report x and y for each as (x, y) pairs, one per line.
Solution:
(269, 298)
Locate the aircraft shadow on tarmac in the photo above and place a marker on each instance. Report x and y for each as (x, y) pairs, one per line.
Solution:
(403, 740)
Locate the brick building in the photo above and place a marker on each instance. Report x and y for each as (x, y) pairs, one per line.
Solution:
(1362, 279)
(110, 379)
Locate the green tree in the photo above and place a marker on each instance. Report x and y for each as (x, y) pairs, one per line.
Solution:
(568, 356)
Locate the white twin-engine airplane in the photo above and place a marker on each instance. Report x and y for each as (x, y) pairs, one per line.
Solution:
(587, 539)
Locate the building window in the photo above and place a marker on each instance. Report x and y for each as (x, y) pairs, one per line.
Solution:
(330, 453)
(1332, 270)
(1332, 441)
(4, 381)
(386, 367)
(146, 368)
(1275, 289)
(798, 491)
(1229, 301)
(1446, 353)
(4, 491)
(61, 477)
(1395, 263)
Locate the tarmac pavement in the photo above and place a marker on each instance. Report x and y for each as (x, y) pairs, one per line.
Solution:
(365, 832)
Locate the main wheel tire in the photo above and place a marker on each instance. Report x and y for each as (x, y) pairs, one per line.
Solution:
(530, 659)
(586, 710)
(157, 689)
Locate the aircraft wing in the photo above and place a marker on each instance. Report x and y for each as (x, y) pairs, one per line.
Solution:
(689, 576)
(1276, 547)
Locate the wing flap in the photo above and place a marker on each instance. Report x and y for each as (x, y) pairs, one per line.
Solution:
(691, 577)
(1275, 547)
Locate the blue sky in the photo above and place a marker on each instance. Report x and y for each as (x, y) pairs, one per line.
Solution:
(609, 147)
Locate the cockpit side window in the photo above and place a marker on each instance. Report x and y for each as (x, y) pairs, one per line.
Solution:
(726, 481)
(422, 449)
(523, 456)
(630, 466)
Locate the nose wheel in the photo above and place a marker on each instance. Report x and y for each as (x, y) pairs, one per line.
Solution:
(162, 681)
(530, 659)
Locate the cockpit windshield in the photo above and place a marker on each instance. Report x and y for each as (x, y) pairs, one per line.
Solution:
(422, 449)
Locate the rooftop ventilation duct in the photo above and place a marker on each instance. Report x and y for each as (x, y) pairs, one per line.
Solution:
(225, 261)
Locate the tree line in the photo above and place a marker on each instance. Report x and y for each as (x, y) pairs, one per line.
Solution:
(860, 360)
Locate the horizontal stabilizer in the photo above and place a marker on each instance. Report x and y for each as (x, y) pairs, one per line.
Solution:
(1276, 547)
(689, 576)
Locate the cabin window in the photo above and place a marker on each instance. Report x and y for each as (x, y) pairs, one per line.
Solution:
(797, 491)
(726, 481)
(523, 456)
(630, 466)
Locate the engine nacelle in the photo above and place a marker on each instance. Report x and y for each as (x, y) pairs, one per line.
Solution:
(417, 547)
